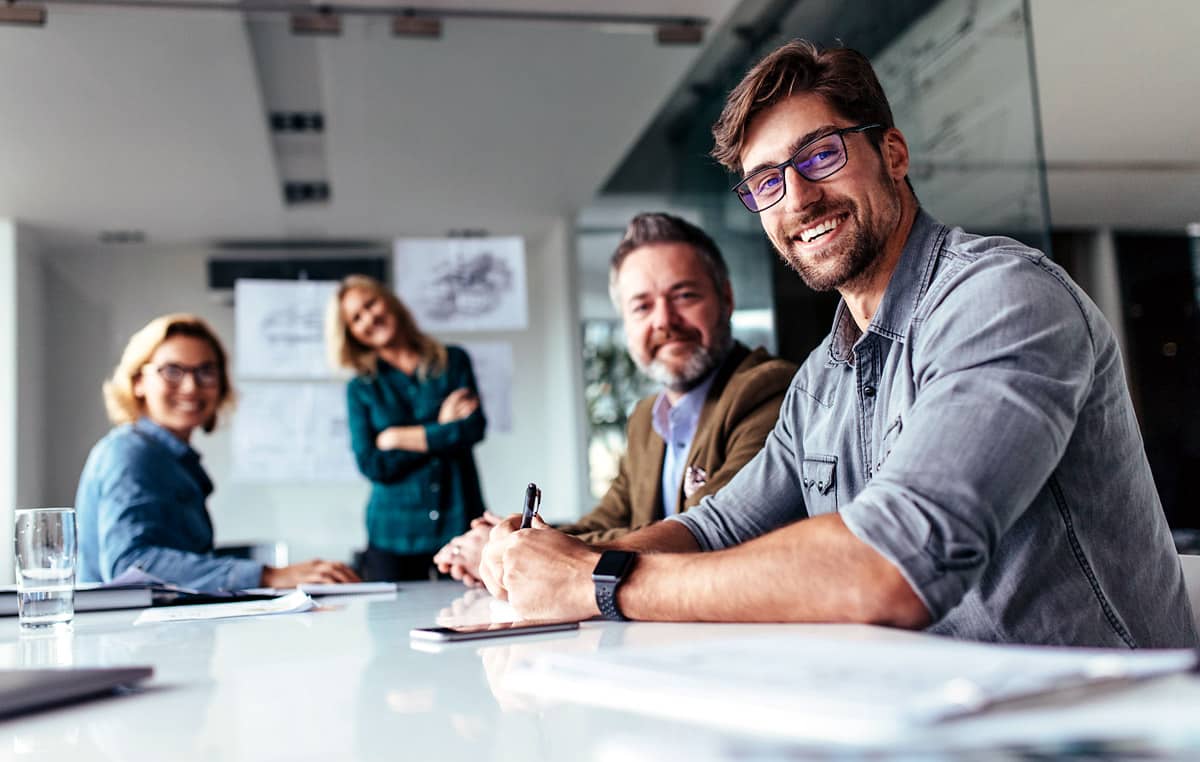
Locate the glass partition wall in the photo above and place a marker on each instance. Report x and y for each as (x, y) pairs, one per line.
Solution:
(959, 75)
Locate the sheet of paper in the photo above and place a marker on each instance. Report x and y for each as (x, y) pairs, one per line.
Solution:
(493, 365)
(288, 432)
(463, 284)
(280, 328)
(333, 588)
(288, 604)
(842, 691)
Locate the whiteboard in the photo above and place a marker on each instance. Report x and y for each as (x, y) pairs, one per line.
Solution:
(286, 432)
(462, 284)
(493, 365)
(280, 329)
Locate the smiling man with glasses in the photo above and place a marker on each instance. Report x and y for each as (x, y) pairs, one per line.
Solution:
(960, 454)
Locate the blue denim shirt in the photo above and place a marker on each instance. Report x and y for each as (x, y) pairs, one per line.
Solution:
(981, 437)
(141, 502)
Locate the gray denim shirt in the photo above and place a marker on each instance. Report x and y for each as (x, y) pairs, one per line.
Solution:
(981, 437)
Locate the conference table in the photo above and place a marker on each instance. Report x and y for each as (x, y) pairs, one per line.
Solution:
(345, 682)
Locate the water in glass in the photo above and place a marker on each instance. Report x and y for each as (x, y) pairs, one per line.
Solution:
(44, 541)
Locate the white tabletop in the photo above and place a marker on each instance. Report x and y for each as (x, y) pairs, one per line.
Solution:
(344, 683)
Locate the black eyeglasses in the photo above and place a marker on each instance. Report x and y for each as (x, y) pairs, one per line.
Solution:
(815, 160)
(207, 374)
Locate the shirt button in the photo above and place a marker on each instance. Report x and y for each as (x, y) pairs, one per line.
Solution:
(869, 391)
(433, 515)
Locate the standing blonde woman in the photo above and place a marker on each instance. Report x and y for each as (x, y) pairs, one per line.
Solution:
(414, 416)
(141, 497)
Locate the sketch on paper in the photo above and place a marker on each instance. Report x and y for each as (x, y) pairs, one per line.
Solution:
(467, 284)
(292, 432)
(280, 329)
(493, 365)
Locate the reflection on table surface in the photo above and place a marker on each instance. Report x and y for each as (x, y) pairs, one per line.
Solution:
(345, 682)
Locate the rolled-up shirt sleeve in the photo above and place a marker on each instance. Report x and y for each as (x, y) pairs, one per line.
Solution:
(1000, 378)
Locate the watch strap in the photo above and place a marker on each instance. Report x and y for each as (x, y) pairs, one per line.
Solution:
(606, 582)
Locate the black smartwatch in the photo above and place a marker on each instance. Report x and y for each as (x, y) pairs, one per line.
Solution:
(610, 571)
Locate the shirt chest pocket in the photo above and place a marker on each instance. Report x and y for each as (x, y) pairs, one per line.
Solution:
(818, 477)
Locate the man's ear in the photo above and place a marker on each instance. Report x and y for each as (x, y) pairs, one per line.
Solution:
(894, 150)
(727, 297)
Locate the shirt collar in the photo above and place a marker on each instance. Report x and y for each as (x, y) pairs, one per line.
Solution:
(174, 444)
(681, 418)
(904, 291)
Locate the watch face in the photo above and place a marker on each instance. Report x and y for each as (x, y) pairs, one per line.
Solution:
(613, 564)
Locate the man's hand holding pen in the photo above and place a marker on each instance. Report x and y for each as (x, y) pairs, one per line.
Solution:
(542, 572)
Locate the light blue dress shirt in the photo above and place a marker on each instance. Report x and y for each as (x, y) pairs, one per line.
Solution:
(676, 424)
(141, 502)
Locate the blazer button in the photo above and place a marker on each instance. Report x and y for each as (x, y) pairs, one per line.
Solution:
(434, 487)
(433, 515)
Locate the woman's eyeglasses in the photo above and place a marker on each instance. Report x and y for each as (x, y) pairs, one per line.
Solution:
(205, 374)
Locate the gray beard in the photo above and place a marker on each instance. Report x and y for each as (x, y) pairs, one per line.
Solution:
(697, 367)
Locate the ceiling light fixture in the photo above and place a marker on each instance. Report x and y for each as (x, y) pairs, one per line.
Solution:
(679, 34)
(323, 23)
(410, 25)
(26, 14)
(407, 20)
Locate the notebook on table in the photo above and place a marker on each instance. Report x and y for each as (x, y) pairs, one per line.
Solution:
(24, 690)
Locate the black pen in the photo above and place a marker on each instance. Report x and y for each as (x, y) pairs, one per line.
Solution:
(533, 500)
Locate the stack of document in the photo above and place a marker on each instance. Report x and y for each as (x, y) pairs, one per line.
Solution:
(89, 596)
(847, 691)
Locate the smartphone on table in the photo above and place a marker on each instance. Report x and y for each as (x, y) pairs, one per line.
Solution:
(489, 630)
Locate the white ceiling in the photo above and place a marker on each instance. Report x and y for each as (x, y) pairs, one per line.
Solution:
(154, 121)
(1120, 97)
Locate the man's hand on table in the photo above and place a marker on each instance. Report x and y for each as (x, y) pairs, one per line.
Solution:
(542, 572)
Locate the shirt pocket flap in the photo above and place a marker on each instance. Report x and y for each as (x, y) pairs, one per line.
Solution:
(818, 473)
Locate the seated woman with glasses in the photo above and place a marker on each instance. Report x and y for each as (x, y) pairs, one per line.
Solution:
(141, 497)
(414, 416)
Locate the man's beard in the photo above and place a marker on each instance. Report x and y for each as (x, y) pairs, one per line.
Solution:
(703, 360)
(855, 256)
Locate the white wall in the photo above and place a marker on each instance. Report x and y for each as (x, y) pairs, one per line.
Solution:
(22, 443)
(8, 392)
(97, 297)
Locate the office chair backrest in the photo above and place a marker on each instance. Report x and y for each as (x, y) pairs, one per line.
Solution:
(1191, 580)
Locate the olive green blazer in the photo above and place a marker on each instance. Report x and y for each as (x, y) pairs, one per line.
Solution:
(740, 410)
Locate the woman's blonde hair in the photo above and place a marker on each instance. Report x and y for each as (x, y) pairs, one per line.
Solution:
(345, 351)
(122, 404)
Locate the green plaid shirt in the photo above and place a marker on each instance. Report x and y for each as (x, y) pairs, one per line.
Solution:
(419, 500)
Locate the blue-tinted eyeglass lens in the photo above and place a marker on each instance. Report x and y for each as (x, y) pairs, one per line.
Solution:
(762, 190)
(821, 159)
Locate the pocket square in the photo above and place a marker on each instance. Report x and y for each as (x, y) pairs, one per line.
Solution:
(694, 478)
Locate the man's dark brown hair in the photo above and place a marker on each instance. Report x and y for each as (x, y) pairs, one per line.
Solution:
(660, 227)
(844, 77)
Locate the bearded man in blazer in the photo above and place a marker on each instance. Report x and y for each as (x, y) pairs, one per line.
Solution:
(719, 399)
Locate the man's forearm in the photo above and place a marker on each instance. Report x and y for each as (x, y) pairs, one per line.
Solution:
(814, 570)
(660, 537)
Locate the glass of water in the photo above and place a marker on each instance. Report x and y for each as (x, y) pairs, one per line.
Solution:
(45, 566)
